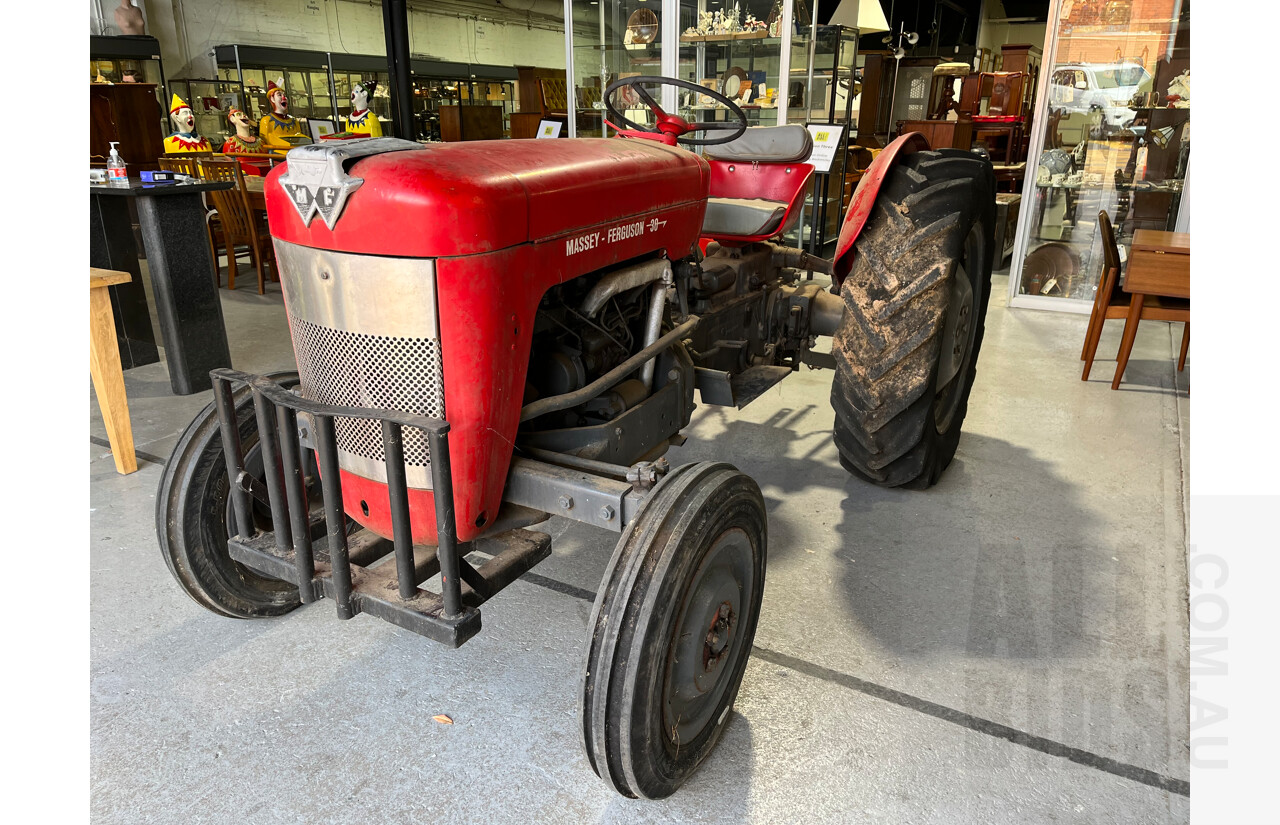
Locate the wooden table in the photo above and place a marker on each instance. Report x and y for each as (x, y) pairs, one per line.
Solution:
(253, 186)
(105, 369)
(1159, 264)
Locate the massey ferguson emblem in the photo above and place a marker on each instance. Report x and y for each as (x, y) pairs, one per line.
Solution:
(317, 181)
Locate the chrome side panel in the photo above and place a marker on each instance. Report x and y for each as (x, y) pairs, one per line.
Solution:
(366, 334)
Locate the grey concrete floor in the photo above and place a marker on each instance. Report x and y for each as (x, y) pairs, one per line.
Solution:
(1009, 646)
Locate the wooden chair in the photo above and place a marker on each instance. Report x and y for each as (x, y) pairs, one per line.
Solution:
(189, 164)
(1113, 302)
(240, 224)
(105, 370)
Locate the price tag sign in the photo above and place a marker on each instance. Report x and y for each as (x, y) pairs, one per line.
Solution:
(549, 128)
(826, 140)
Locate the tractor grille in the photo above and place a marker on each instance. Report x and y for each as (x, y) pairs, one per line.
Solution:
(366, 334)
(358, 370)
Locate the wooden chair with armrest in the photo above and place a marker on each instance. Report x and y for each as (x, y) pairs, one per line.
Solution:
(241, 225)
(1113, 302)
(188, 163)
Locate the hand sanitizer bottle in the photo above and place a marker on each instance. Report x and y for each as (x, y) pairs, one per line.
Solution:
(117, 174)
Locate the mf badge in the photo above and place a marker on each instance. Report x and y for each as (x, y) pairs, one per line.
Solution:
(316, 179)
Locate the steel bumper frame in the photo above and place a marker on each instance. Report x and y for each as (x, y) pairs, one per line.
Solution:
(337, 564)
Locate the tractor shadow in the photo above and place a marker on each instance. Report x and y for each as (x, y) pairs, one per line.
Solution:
(998, 559)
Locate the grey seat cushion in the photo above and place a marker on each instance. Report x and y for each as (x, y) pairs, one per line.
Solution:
(740, 216)
(765, 144)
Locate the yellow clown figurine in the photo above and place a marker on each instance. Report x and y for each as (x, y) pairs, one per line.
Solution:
(185, 138)
(361, 121)
(279, 124)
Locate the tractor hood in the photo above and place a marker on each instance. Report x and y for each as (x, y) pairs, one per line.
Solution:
(452, 199)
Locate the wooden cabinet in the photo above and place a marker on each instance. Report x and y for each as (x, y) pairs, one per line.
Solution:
(941, 134)
(130, 114)
(470, 123)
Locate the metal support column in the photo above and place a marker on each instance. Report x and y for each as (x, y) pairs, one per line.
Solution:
(569, 84)
(670, 52)
(395, 21)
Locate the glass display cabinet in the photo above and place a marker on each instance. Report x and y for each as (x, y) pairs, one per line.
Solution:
(429, 94)
(742, 49)
(211, 101)
(307, 79)
(1112, 132)
(822, 93)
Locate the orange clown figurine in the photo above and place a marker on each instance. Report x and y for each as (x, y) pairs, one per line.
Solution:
(275, 127)
(185, 138)
(244, 141)
(361, 121)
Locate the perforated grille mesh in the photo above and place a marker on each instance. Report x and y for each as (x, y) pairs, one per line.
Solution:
(356, 370)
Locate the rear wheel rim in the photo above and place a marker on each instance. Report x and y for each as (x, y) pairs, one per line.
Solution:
(959, 332)
(708, 638)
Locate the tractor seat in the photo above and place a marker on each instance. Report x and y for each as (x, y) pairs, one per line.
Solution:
(765, 144)
(741, 216)
(746, 216)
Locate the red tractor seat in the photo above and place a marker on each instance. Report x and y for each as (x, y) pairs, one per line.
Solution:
(757, 180)
(741, 216)
(766, 144)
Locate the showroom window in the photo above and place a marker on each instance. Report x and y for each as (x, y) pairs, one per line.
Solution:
(1113, 135)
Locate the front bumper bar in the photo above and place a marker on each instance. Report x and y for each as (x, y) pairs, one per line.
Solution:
(339, 563)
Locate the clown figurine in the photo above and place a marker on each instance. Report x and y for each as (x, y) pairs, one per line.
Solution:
(244, 141)
(273, 128)
(185, 138)
(361, 121)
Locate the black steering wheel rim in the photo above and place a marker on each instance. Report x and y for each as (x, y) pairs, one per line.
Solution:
(639, 80)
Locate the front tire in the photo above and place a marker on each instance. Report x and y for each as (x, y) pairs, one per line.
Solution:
(672, 629)
(194, 519)
(915, 305)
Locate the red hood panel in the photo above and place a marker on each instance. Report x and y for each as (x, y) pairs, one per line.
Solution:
(473, 197)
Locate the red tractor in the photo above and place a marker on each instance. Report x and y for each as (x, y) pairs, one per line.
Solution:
(489, 333)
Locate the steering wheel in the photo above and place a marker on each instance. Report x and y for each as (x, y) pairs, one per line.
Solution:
(670, 126)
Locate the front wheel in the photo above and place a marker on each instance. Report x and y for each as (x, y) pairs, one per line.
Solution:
(915, 304)
(194, 519)
(672, 628)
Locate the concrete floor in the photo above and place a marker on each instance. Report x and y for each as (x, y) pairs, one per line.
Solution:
(1010, 646)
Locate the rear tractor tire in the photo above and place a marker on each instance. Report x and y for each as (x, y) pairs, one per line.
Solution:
(672, 628)
(915, 305)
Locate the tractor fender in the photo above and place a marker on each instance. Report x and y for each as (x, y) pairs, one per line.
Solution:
(864, 198)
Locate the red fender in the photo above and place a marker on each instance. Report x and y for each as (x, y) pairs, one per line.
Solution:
(864, 197)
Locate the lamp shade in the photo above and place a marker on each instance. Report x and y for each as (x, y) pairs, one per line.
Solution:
(864, 15)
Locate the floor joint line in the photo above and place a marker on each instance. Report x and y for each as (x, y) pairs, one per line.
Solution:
(976, 724)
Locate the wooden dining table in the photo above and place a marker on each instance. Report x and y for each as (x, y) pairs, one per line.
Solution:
(1160, 265)
(253, 187)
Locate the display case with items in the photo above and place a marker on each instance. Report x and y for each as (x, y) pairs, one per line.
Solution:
(1113, 134)
(822, 91)
(742, 50)
(626, 42)
(738, 50)
(304, 76)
